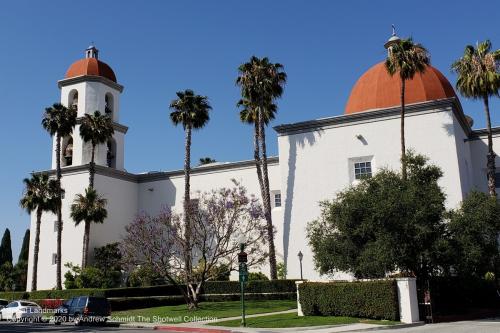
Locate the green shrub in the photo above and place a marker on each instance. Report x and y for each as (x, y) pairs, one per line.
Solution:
(370, 299)
(13, 295)
(233, 287)
(65, 294)
(257, 276)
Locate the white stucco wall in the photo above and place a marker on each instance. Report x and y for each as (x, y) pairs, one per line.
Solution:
(316, 165)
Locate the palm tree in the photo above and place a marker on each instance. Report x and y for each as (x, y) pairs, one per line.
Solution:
(59, 120)
(40, 195)
(261, 83)
(206, 160)
(479, 78)
(406, 59)
(88, 208)
(96, 129)
(191, 111)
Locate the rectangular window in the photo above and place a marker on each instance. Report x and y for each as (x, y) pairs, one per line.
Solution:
(362, 170)
(277, 199)
(54, 258)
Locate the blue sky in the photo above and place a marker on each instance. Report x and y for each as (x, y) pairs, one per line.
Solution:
(159, 47)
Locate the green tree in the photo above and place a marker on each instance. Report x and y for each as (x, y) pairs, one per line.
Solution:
(479, 78)
(5, 248)
(97, 129)
(59, 121)
(25, 247)
(89, 208)
(474, 228)
(405, 58)
(192, 112)
(261, 84)
(206, 160)
(382, 224)
(40, 195)
(108, 259)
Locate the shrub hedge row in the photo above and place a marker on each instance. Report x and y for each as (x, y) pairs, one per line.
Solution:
(211, 287)
(370, 299)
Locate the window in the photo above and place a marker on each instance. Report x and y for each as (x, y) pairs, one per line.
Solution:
(82, 302)
(277, 199)
(54, 258)
(111, 154)
(497, 180)
(108, 104)
(362, 170)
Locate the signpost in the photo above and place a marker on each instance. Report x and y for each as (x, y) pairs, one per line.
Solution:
(243, 270)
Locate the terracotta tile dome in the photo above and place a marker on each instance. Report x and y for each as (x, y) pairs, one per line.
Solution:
(376, 89)
(90, 66)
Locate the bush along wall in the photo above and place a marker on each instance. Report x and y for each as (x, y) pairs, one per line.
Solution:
(367, 299)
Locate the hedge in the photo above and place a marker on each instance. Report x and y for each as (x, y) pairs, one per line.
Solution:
(367, 299)
(210, 287)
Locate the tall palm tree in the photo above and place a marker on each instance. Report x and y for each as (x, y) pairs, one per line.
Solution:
(88, 208)
(479, 78)
(59, 120)
(406, 59)
(192, 111)
(40, 195)
(97, 129)
(261, 83)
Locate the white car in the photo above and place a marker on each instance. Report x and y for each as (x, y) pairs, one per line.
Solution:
(21, 311)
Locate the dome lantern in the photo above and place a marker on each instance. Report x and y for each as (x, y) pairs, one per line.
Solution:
(392, 40)
(92, 52)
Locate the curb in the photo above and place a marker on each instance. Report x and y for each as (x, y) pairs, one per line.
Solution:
(191, 329)
(391, 327)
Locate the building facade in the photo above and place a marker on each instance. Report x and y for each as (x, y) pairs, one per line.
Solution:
(316, 160)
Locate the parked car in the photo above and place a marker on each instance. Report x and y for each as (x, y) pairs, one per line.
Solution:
(3, 303)
(21, 311)
(81, 309)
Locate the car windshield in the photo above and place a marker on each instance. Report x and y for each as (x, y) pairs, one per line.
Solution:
(28, 304)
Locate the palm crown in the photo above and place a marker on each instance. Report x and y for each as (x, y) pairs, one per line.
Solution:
(96, 128)
(261, 80)
(190, 110)
(40, 193)
(407, 58)
(90, 207)
(249, 112)
(478, 71)
(59, 120)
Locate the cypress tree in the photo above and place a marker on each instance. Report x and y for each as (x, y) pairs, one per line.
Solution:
(5, 248)
(23, 255)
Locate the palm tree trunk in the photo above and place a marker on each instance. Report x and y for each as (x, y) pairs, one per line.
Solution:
(403, 146)
(92, 168)
(266, 196)
(59, 213)
(36, 249)
(490, 166)
(85, 250)
(187, 204)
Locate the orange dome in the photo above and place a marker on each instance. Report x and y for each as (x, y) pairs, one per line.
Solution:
(90, 66)
(376, 89)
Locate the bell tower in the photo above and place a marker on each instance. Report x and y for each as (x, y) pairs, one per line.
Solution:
(90, 85)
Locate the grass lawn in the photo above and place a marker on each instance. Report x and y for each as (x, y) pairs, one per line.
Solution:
(292, 320)
(179, 313)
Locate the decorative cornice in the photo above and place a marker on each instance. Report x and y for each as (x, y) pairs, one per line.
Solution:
(375, 115)
(158, 175)
(91, 78)
(482, 133)
(116, 126)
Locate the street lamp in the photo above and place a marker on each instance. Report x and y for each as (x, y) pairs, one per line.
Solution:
(301, 256)
(242, 262)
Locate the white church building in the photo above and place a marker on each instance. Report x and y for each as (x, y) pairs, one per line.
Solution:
(317, 159)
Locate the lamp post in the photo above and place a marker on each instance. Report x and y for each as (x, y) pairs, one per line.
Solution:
(300, 255)
(242, 262)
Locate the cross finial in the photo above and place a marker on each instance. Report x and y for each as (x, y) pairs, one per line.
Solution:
(393, 29)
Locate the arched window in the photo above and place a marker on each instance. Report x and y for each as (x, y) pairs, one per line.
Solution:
(73, 99)
(111, 154)
(108, 104)
(67, 151)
